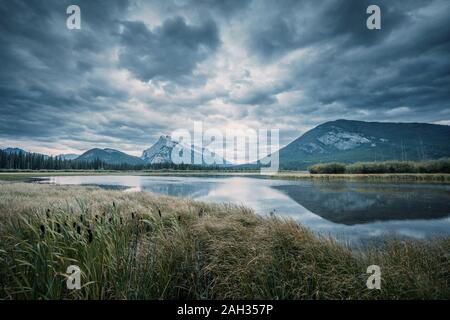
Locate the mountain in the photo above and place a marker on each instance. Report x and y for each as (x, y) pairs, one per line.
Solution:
(67, 156)
(109, 156)
(14, 150)
(19, 150)
(351, 141)
(161, 152)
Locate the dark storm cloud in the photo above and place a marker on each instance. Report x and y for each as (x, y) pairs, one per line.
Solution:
(52, 85)
(138, 69)
(168, 52)
(201, 8)
(405, 64)
(261, 96)
(43, 82)
(224, 7)
(289, 25)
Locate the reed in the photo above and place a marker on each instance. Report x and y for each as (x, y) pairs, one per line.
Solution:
(392, 167)
(141, 246)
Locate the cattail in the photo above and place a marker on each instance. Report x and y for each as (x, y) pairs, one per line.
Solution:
(121, 221)
(132, 215)
(42, 228)
(78, 229)
(90, 235)
(114, 204)
(179, 218)
(58, 228)
(159, 212)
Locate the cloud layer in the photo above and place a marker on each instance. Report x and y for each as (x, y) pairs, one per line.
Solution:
(139, 69)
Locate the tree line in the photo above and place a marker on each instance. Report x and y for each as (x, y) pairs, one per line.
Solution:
(35, 161)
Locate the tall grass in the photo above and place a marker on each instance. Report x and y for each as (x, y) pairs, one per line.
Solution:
(139, 246)
(432, 166)
(327, 168)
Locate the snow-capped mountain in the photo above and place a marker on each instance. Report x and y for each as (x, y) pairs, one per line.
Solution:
(161, 152)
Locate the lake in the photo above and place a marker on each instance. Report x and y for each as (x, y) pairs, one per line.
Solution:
(349, 211)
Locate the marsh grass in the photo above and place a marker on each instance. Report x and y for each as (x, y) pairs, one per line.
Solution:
(140, 246)
(392, 167)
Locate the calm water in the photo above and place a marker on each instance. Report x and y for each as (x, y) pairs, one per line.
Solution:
(350, 211)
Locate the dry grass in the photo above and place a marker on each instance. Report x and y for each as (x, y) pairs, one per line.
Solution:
(140, 246)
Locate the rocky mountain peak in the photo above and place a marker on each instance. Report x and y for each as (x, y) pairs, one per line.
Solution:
(160, 152)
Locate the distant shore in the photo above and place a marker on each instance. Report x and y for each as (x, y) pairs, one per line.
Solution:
(288, 175)
(375, 177)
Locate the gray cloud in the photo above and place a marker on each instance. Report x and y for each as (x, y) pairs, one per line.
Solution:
(289, 25)
(170, 51)
(403, 65)
(46, 81)
(138, 69)
(200, 8)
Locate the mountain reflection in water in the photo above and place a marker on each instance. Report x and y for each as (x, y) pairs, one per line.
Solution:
(353, 203)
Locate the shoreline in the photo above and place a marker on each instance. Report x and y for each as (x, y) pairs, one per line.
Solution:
(282, 175)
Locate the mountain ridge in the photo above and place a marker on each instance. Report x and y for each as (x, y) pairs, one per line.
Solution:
(110, 156)
(352, 141)
(340, 140)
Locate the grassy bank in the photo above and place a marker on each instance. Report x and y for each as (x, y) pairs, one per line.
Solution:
(392, 167)
(135, 245)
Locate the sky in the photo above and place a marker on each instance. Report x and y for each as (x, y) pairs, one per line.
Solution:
(137, 70)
